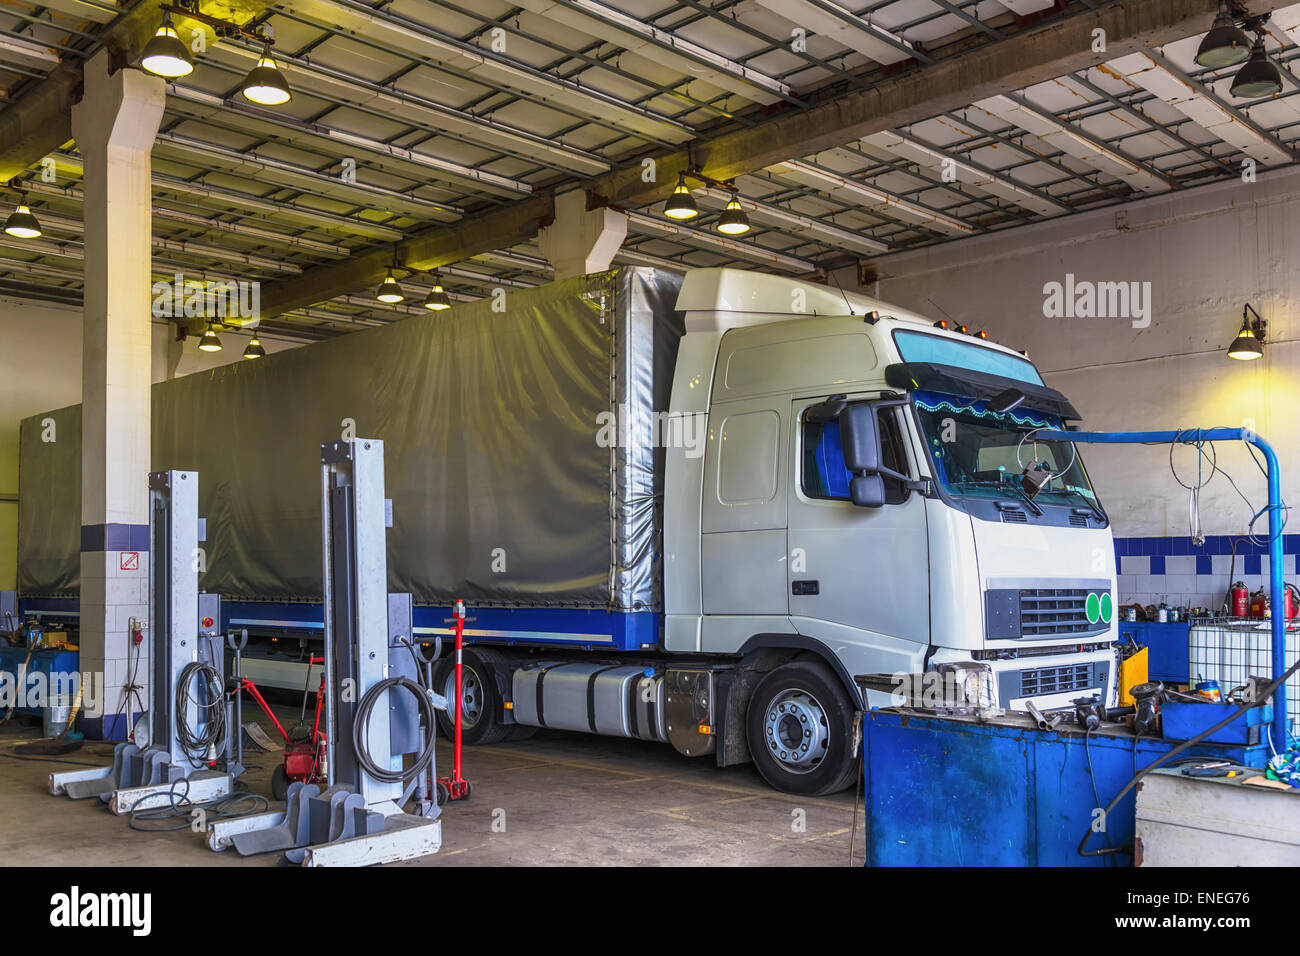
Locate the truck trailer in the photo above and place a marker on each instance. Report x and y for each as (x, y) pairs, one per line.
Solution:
(725, 511)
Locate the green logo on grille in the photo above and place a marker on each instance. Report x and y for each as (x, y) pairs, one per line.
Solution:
(1099, 607)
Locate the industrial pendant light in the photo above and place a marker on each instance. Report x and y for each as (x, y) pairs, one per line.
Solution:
(437, 299)
(165, 55)
(733, 221)
(21, 224)
(209, 342)
(681, 204)
(1225, 45)
(1259, 77)
(265, 84)
(1249, 343)
(389, 290)
(254, 350)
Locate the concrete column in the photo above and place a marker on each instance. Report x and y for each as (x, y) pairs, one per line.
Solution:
(114, 126)
(581, 240)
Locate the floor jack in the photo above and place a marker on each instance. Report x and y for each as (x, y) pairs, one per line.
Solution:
(370, 657)
(304, 759)
(456, 787)
(187, 710)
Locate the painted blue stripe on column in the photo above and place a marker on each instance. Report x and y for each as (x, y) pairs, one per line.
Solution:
(114, 537)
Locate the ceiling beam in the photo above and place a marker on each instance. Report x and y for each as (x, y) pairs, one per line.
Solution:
(39, 120)
(1041, 53)
(438, 246)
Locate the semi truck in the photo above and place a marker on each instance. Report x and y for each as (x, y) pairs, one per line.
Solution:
(724, 511)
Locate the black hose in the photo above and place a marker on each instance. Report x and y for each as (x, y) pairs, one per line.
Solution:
(197, 746)
(361, 724)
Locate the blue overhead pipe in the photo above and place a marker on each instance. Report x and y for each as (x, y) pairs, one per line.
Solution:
(1276, 586)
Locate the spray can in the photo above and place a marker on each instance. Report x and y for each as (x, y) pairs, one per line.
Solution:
(1162, 614)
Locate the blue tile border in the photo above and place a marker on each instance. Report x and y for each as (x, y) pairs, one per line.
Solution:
(114, 537)
(1214, 544)
(1157, 564)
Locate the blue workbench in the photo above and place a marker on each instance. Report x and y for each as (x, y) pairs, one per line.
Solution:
(950, 791)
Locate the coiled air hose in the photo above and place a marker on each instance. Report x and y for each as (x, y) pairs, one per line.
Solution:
(212, 712)
(361, 726)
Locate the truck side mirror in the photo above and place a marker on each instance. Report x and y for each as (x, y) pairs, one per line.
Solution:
(860, 438)
(867, 491)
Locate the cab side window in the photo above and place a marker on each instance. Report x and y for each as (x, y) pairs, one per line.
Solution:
(824, 474)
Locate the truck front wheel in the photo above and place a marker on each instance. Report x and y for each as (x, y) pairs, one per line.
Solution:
(800, 728)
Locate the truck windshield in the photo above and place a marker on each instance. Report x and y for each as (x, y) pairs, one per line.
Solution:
(974, 451)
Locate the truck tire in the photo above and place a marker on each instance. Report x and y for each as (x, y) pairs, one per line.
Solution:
(800, 730)
(480, 701)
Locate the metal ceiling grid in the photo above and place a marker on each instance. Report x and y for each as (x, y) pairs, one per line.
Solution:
(451, 108)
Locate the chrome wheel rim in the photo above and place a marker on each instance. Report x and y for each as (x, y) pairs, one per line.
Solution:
(796, 731)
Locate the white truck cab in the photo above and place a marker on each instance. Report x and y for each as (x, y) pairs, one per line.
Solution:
(861, 495)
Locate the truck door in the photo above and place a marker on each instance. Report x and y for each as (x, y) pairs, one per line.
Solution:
(857, 576)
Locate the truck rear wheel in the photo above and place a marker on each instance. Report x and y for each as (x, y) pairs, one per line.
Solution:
(800, 728)
(480, 702)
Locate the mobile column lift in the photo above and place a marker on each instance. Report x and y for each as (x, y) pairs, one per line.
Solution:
(370, 650)
(187, 710)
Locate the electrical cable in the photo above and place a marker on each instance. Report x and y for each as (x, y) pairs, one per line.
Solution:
(1092, 776)
(179, 809)
(212, 712)
(1264, 696)
(361, 726)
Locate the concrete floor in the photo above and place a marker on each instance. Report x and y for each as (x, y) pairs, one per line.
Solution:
(558, 799)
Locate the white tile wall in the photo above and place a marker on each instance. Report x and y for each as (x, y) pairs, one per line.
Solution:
(1134, 564)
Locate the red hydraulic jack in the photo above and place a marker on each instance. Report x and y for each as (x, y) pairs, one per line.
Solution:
(456, 787)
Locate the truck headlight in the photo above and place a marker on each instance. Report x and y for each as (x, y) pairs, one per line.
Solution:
(969, 686)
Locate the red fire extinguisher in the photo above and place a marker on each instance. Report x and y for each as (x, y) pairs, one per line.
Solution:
(1240, 599)
(1260, 605)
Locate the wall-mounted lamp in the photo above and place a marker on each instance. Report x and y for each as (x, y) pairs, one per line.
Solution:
(1249, 343)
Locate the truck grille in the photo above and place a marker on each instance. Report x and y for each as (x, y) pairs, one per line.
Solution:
(1046, 611)
(1055, 680)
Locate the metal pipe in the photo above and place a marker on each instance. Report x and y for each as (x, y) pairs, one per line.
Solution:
(327, 600)
(1276, 586)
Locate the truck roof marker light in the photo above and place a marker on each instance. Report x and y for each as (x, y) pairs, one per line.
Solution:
(964, 330)
(872, 317)
(981, 334)
(942, 324)
(681, 204)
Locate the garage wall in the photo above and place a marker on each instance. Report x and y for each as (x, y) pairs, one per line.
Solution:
(1202, 254)
(40, 369)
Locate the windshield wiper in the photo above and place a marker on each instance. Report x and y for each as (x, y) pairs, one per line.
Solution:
(1096, 511)
(1033, 505)
(1011, 485)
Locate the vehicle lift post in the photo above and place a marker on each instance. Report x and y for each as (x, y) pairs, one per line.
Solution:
(357, 820)
(1276, 583)
(184, 627)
